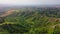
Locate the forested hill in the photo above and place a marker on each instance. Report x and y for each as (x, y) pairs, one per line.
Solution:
(32, 20)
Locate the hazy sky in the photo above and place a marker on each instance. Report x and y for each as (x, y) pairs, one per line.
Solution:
(30, 2)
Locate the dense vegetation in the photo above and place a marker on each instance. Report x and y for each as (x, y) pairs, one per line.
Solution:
(32, 21)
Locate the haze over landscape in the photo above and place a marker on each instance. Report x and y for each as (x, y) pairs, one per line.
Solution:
(30, 2)
(29, 16)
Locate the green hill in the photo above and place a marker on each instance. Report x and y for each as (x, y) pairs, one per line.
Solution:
(34, 21)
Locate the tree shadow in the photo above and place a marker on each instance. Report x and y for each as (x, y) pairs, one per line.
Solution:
(2, 19)
(15, 28)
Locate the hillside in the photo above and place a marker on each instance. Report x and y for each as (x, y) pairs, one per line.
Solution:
(31, 20)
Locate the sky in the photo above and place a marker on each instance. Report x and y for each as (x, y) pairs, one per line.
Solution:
(30, 2)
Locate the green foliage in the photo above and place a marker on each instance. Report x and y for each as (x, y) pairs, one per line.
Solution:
(34, 22)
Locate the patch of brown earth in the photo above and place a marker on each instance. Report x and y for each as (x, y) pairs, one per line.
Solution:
(7, 13)
(54, 19)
